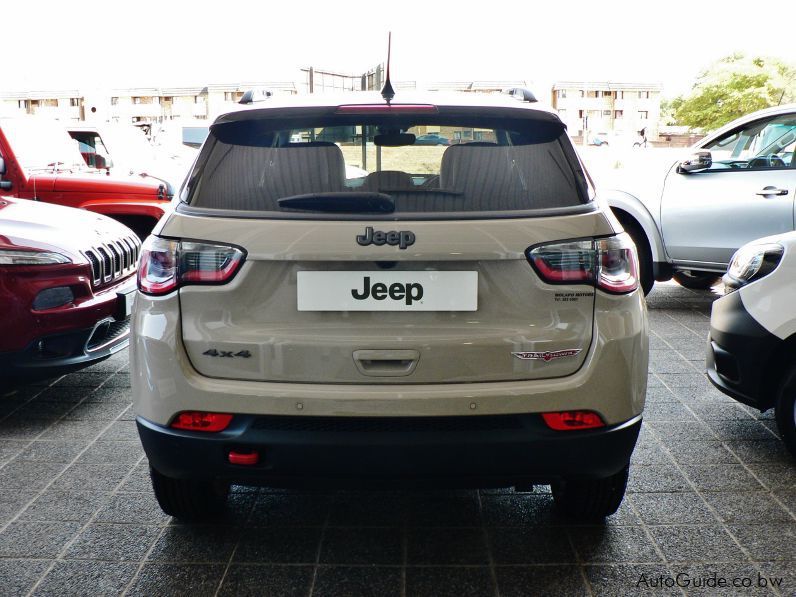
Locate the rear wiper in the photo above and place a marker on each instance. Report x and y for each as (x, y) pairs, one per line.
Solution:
(340, 202)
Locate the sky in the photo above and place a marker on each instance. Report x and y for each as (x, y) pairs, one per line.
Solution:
(58, 44)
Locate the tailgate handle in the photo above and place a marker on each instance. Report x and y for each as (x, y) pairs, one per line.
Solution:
(386, 363)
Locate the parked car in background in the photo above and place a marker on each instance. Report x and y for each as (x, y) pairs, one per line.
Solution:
(752, 345)
(67, 280)
(39, 161)
(428, 325)
(736, 184)
(432, 139)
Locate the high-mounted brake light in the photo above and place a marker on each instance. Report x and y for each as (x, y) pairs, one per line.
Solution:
(201, 421)
(570, 420)
(168, 264)
(387, 109)
(610, 263)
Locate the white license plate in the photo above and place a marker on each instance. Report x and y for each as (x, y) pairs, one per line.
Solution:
(387, 291)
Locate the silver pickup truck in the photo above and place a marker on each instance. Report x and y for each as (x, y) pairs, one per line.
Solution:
(738, 184)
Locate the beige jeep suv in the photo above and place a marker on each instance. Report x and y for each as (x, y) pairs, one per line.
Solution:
(460, 315)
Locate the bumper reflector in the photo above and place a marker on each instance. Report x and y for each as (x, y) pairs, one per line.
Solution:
(201, 421)
(573, 419)
(244, 458)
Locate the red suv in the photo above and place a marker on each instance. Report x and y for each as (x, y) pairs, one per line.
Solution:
(66, 283)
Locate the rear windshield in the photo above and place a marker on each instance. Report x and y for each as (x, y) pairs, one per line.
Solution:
(408, 166)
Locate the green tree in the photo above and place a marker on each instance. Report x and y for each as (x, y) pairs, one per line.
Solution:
(732, 87)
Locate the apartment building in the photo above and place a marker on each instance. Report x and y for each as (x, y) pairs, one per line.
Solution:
(63, 104)
(611, 108)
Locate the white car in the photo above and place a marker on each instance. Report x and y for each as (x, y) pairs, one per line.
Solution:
(753, 331)
(736, 185)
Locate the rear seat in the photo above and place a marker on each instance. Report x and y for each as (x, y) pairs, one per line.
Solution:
(275, 172)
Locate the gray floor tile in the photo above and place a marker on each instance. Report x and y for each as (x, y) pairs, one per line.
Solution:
(696, 544)
(449, 582)
(661, 478)
(52, 451)
(196, 580)
(86, 579)
(701, 452)
(11, 502)
(288, 545)
(113, 542)
(285, 581)
(28, 476)
(290, 510)
(553, 581)
(748, 507)
(361, 581)
(444, 509)
(136, 508)
(721, 580)
(721, 477)
(376, 510)
(36, 539)
(531, 545)
(91, 477)
(65, 506)
(775, 476)
(672, 508)
(447, 546)
(352, 546)
(767, 542)
(195, 543)
(19, 576)
(614, 545)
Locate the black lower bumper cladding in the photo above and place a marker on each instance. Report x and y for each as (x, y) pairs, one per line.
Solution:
(471, 451)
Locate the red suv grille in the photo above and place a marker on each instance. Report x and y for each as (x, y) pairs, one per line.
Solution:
(113, 260)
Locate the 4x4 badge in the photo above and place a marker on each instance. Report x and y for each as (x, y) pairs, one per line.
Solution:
(212, 352)
(546, 356)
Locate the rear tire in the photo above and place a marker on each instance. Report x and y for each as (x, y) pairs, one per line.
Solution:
(591, 499)
(188, 499)
(696, 280)
(785, 410)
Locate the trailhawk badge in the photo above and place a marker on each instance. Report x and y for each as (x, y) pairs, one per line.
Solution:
(546, 356)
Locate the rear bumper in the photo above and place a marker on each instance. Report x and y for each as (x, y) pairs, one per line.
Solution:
(486, 451)
(739, 350)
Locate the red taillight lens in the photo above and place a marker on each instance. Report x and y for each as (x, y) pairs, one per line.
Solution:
(572, 419)
(608, 263)
(564, 263)
(201, 421)
(168, 264)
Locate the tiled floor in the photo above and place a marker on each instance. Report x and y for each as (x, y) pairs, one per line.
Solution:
(712, 496)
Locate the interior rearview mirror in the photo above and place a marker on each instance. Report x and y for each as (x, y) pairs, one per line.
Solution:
(2, 166)
(701, 160)
(394, 139)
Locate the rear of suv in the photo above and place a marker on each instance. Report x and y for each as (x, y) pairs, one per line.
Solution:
(465, 315)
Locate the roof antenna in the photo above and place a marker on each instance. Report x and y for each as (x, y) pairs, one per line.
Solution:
(387, 92)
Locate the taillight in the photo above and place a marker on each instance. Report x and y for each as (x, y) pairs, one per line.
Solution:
(610, 263)
(168, 264)
(569, 420)
(201, 421)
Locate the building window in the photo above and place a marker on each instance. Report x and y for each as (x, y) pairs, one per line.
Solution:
(592, 94)
(643, 95)
(22, 104)
(74, 102)
(582, 93)
(643, 115)
(619, 113)
(229, 96)
(136, 100)
(114, 101)
(562, 93)
(580, 113)
(607, 113)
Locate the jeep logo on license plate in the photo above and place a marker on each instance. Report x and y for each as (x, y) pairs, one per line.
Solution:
(387, 290)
